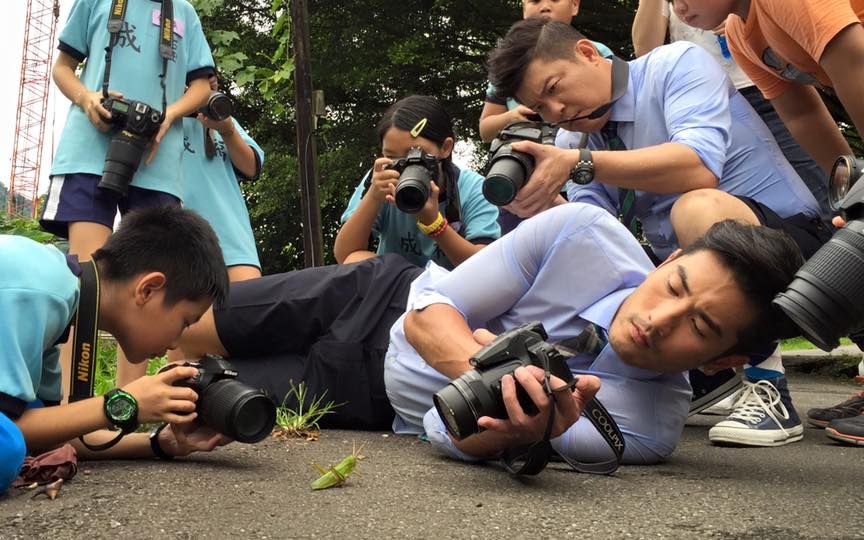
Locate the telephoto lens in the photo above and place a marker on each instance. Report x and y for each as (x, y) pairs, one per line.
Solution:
(508, 172)
(826, 298)
(413, 189)
(124, 155)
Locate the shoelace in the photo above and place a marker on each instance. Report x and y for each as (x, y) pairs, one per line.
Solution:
(758, 399)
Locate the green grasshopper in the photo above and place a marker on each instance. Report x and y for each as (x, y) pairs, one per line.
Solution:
(336, 476)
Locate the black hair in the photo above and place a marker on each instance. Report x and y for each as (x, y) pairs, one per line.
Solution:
(528, 40)
(763, 262)
(172, 240)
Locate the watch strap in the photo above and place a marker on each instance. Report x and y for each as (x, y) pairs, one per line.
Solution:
(154, 443)
(124, 425)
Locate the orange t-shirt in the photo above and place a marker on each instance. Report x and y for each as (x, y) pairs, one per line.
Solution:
(782, 41)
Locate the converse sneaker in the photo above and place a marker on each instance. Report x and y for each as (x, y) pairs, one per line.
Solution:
(847, 430)
(850, 408)
(763, 416)
(709, 389)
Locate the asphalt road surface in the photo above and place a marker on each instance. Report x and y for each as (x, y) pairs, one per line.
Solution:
(809, 489)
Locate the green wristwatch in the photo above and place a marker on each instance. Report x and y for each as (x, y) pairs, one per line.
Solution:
(583, 172)
(121, 409)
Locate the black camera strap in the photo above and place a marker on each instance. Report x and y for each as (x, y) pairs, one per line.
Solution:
(531, 459)
(85, 339)
(116, 17)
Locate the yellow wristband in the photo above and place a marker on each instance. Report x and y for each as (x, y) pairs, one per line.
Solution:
(432, 227)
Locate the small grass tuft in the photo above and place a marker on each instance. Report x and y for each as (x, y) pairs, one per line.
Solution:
(302, 422)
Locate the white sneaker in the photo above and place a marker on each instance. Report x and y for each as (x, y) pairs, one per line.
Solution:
(763, 416)
(725, 406)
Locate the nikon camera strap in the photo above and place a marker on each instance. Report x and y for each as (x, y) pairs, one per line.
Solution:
(116, 17)
(85, 335)
(531, 459)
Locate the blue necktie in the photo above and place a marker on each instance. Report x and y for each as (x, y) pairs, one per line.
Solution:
(626, 197)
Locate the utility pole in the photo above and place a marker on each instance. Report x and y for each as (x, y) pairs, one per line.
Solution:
(311, 211)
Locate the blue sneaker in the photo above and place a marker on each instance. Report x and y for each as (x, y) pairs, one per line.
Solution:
(763, 416)
(709, 389)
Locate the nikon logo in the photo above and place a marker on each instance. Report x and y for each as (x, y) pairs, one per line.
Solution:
(84, 367)
(166, 30)
(118, 8)
(611, 435)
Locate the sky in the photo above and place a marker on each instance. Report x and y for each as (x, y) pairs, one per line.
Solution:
(12, 41)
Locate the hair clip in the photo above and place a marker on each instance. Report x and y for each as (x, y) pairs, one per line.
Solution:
(415, 131)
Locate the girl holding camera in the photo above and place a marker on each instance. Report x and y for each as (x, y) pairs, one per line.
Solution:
(456, 220)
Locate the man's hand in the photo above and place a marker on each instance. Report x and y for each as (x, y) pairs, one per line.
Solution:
(224, 127)
(91, 104)
(551, 170)
(182, 439)
(160, 401)
(520, 428)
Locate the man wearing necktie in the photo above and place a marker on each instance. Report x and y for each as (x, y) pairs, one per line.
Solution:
(673, 148)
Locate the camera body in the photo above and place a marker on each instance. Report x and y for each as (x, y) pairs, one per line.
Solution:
(477, 392)
(135, 123)
(225, 404)
(826, 297)
(218, 106)
(416, 171)
(509, 170)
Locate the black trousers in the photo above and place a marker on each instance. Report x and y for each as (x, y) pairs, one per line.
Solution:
(327, 327)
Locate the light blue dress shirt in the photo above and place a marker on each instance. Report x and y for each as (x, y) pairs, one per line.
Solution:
(678, 93)
(135, 70)
(566, 267)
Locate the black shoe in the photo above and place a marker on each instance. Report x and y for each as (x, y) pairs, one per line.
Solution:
(847, 430)
(850, 408)
(709, 389)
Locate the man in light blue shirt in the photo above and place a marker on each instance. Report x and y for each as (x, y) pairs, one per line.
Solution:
(676, 124)
(568, 267)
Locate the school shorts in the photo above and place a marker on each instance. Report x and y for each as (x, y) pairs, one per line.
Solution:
(328, 327)
(12, 452)
(77, 197)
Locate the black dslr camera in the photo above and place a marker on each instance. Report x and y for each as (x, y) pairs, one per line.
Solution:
(135, 123)
(477, 392)
(509, 170)
(218, 106)
(416, 171)
(225, 404)
(826, 298)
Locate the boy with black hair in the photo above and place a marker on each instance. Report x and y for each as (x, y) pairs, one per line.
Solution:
(156, 275)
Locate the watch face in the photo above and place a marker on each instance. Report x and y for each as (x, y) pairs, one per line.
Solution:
(120, 407)
(582, 177)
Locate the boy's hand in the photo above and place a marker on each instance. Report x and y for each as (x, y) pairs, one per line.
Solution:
(170, 117)
(91, 104)
(519, 427)
(160, 401)
(224, 127)
(182, 439)
(521, 113)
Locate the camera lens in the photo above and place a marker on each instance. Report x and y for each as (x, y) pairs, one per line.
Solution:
(413, 188)
(122, 160)
(237, 410)
(218, 107)
(507, 174)
(845, 172)
(458, 405)
(826, 298)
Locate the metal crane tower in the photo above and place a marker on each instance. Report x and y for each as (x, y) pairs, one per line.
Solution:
(40, 28)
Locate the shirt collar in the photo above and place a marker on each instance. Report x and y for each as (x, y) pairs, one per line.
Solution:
(602, 311)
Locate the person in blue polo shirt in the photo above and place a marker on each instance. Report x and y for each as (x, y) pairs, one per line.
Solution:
(384, 335)
(156, 275)
(673, 148)
(456, 221)
(76, 207)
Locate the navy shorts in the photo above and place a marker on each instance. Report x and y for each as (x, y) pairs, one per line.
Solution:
(808, 232)
(76, 197)
(328, 327)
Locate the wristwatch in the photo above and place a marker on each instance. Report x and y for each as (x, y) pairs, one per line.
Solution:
(583, 172)
(154, 443)
(121, 409)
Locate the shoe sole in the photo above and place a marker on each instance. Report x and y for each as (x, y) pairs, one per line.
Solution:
(745, 437)
(842, 437)
(818, 423)
(719, 394)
